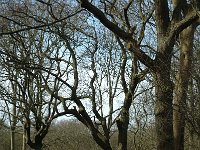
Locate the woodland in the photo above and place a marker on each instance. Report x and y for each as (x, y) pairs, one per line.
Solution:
(100, 74)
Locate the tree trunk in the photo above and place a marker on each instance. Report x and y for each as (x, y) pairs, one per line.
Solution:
(123, 120)
(103, 143)
(12, 139)
(24, 140)
(14, 114)
(181, 87)
(36, 146)
(164, 85)
(122, 124)
(163, 110)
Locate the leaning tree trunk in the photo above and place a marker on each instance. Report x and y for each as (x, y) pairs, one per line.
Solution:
(123, 120)
(181, 87)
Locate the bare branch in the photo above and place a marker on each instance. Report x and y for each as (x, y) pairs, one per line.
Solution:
(126, 13)
(107, 23)
(189, 19)
(27, 27)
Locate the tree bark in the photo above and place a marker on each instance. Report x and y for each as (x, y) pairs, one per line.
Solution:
(181, 87)
(163, 106)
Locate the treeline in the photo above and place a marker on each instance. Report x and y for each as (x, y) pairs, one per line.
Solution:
(72, 135)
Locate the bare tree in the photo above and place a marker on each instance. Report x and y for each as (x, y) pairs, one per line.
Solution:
(66, 40)
(168, 28)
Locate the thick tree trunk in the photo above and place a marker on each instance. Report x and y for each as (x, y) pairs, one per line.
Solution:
(103, 143)
(164, 85)
(163, 111)
(36, 146)
(163, 116)
(181, 87)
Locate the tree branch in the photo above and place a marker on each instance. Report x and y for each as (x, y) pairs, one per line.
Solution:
(184, 23)
(142, 57)
(107, 23)
(123, 66)
(145, 59)
(126, 13)
(27, 27)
